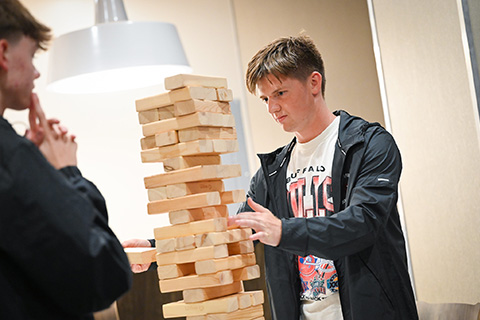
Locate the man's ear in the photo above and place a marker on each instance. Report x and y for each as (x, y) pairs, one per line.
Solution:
(4, 45)
(316, 82)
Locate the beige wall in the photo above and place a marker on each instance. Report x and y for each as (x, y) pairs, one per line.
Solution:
(342, 33)
(435, 123)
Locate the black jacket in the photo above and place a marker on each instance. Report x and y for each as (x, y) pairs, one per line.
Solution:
(363, 236)
(58, 257)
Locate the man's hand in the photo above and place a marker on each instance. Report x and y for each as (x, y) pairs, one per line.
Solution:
(268, 228)
(134, 243)
(59, 148)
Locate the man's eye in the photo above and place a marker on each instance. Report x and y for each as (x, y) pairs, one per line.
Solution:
(280, 93)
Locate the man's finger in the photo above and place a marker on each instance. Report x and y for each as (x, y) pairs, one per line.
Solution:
(40, 114)
(255, 206)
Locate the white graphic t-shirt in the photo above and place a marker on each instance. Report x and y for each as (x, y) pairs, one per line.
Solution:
(309, 189)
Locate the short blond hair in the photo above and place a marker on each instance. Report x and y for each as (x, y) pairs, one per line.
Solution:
(295, 57)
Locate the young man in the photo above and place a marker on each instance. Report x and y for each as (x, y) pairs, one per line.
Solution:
(58, 257)
(325, 204)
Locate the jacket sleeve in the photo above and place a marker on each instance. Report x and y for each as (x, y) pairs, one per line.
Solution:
(54, 229)
(372, 201)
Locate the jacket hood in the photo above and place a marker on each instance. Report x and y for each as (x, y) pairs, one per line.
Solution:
(351, 131)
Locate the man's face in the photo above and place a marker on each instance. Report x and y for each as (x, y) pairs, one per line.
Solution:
(289, 101)
(20, 73)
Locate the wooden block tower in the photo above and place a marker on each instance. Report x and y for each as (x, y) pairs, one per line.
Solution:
(187, 128)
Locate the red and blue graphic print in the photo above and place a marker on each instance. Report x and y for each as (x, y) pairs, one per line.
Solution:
(318, 276)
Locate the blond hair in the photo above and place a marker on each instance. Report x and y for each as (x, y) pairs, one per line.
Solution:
(295, 57)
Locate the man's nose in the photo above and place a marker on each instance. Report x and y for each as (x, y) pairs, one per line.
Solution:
(273, 106)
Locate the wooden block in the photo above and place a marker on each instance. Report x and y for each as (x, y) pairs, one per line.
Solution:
(196, 227)
(153, 102)
(244, 301)
(224, 94)
(166, 138)
(233, 196)
(191, 106)
(241, 247)
(229, 236)
(185, 243)
(171, 271)
(165, 245)
(148, 116)
(148, 143)
(196, 281)
(256, 296)
(198, 147)
(205, 133)
(240, 234)
(190, 161)
(198, 119)
(187, 202)
(182, 309)
(247, 273)
(158, 193)
(192, 255)
(187, 188)
(188, 93)
(191, 80)
(202, 294)
(253, 312)
(140, 255)
(167, 112)
(190, 215)
(228, 263)
(199, 173)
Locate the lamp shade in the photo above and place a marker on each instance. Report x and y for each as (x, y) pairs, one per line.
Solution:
(115, 56)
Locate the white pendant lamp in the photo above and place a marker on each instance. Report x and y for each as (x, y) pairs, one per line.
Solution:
(115, 54)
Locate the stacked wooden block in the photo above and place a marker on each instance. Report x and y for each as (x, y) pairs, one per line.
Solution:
(187, 128)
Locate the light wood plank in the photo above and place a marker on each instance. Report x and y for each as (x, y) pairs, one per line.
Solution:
(185, 243)
(148, 116)
(185, 162)
(232, 196)
(158, 193)
(187, 93)
(165, 138)
(191, 80)
(187, 202)
(240, 247)
(229, 236)
(182, 309)
(192, 255)
(171, 271)
(183, 189)
(167, 112)
(198, 119)
(254, 312)
(140, 255)
(224, 94)
(147, 143)
(202, 294)
(196, 281)
(196, 227)
(228, 263)
(191, 106)
(165, 245)
(198, 147)
(199, 173)
(153, 102)
(190, 215)
(247, 273)
(206, 133)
